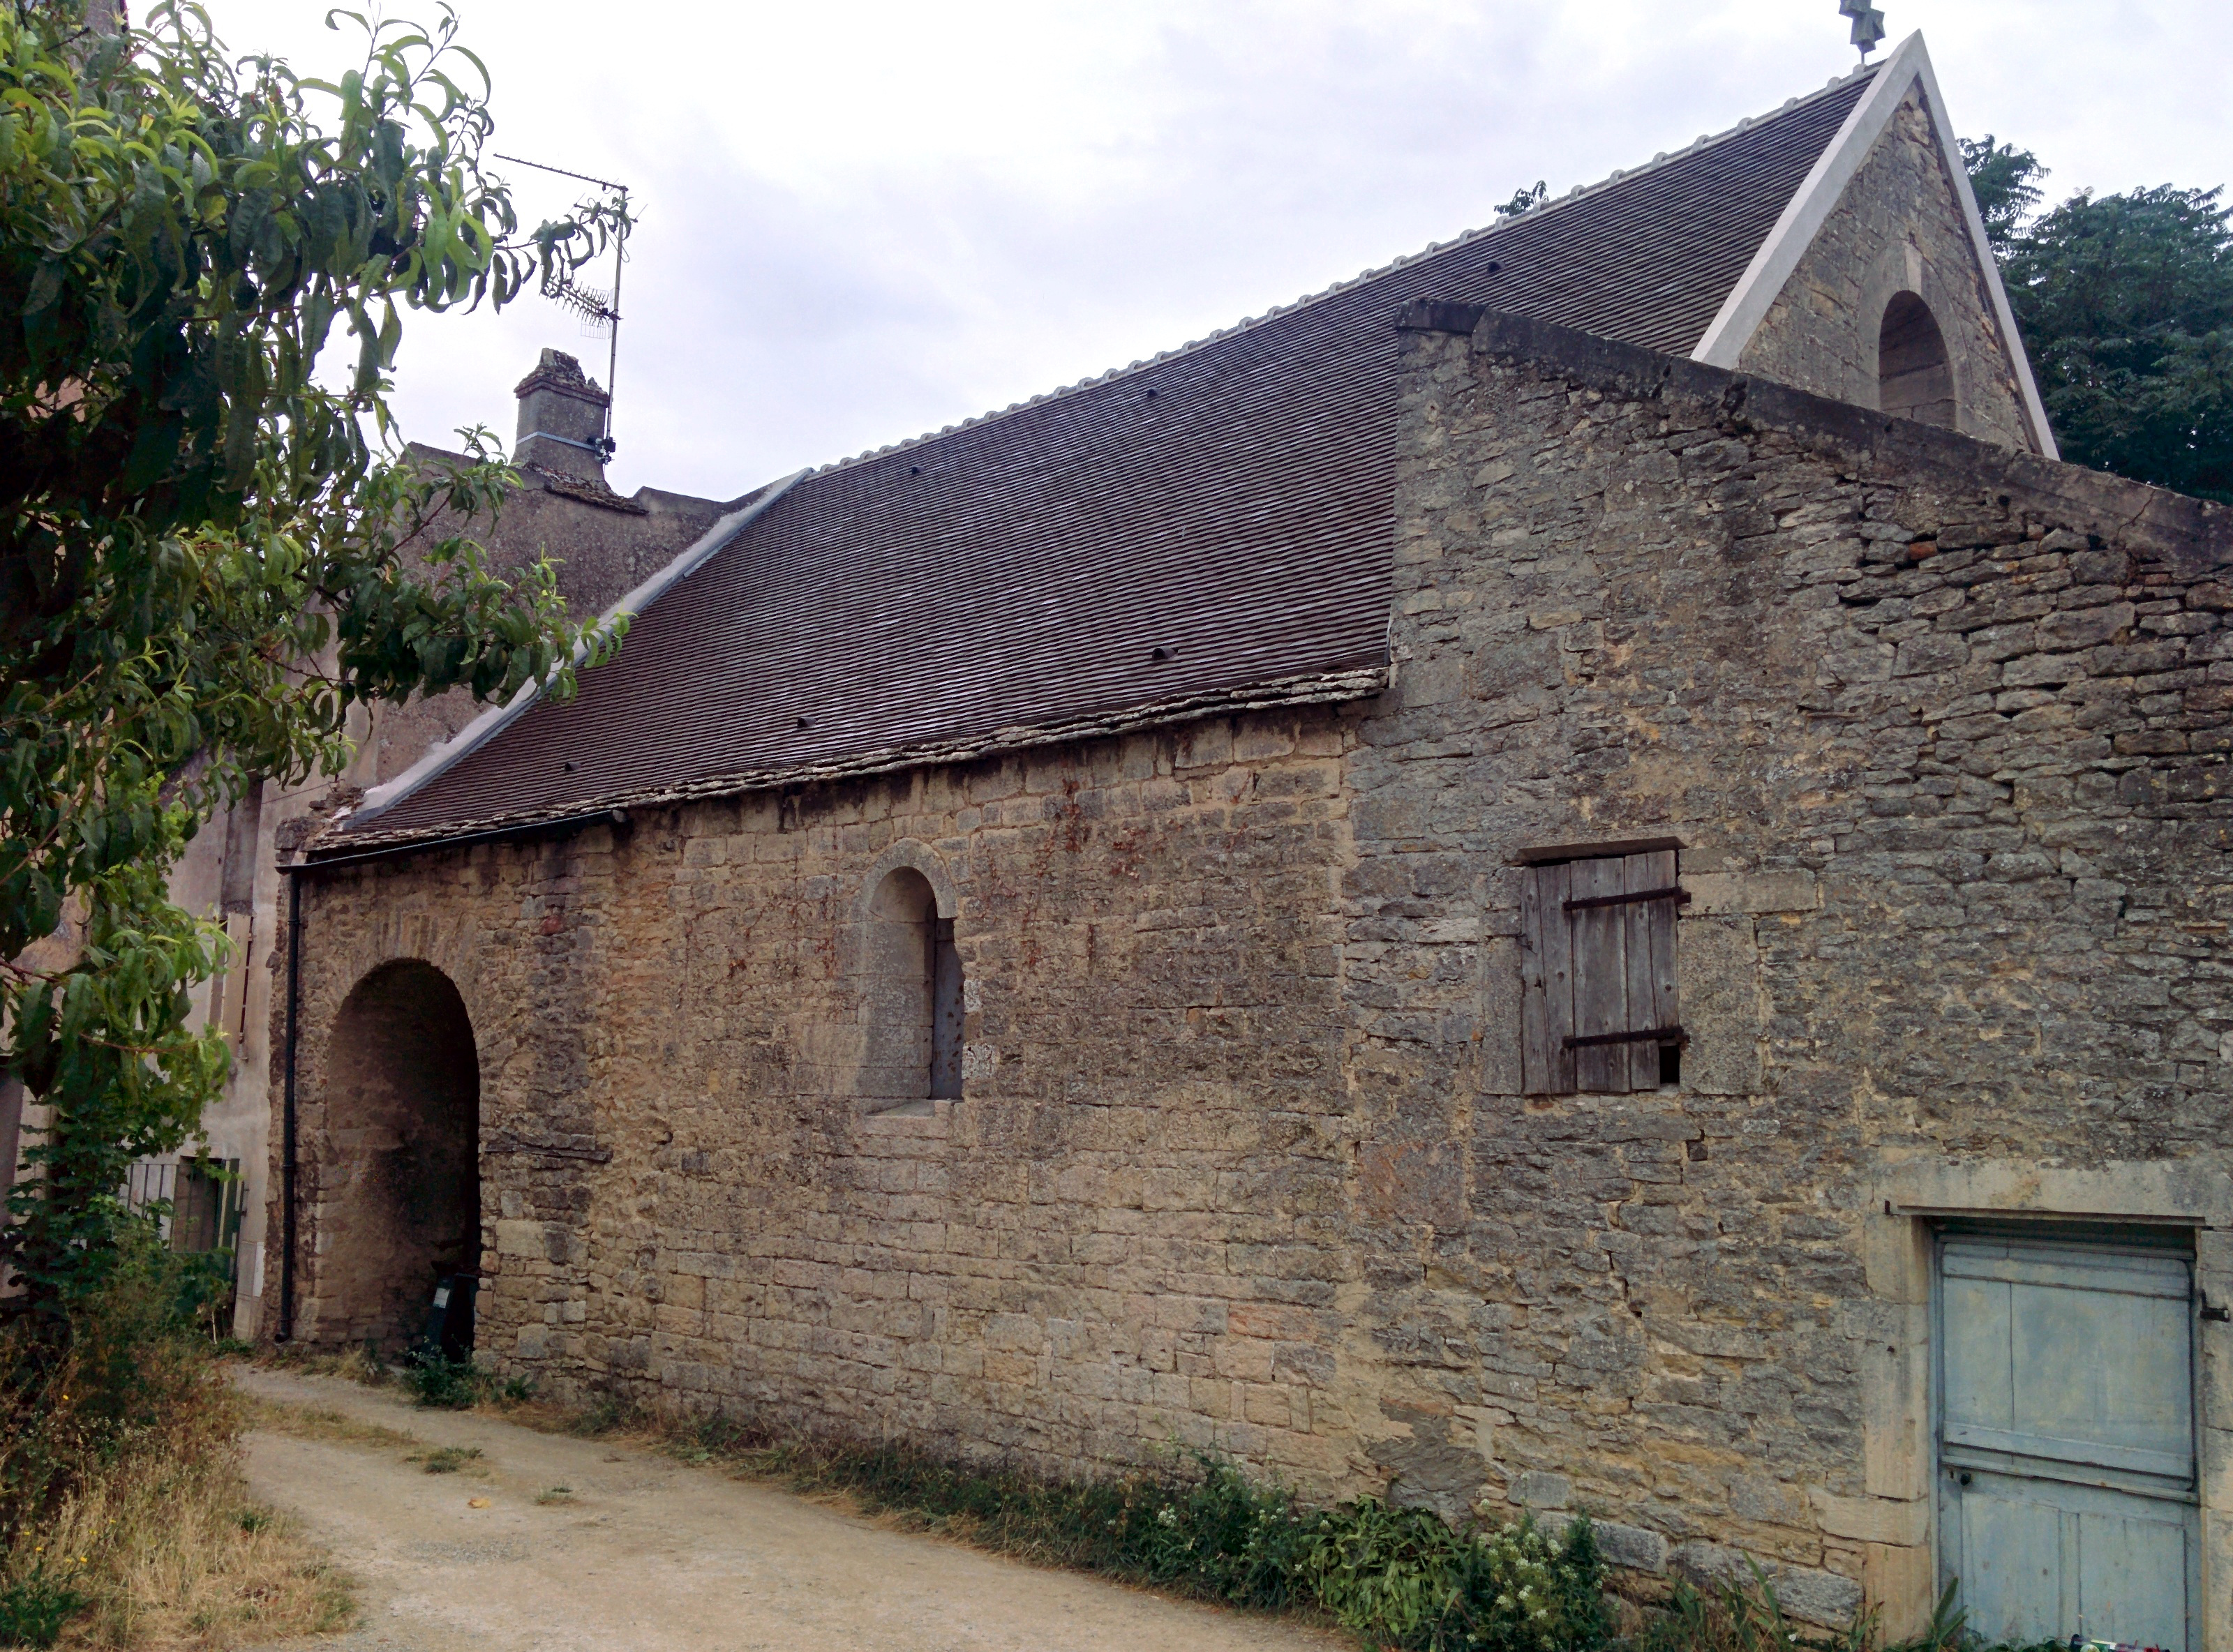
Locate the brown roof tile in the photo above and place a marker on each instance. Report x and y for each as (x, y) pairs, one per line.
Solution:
(1171, 535)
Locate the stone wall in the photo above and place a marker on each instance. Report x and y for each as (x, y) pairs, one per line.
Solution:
(1243, 1155)
(1897, 227)
(1942, 730)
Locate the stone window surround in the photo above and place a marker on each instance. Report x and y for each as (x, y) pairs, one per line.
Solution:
(976, 1060)
(1893, 1523)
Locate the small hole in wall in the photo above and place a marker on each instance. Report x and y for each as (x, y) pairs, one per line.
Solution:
(1670, 1069)
(1696, 1151)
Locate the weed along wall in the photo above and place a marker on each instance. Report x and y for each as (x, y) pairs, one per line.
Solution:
(1785, 867)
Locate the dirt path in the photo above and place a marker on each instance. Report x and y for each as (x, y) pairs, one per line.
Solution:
(652, 1556)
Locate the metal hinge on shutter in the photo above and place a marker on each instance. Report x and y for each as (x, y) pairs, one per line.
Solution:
(1676, 893)
(1675, 1036)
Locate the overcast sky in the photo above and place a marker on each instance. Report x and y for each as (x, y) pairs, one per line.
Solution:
(862, 222)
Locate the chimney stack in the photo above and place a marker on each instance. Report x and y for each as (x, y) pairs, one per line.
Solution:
(562, 420)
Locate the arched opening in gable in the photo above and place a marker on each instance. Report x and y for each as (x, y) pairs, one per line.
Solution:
(399, 1193)
(1915, 377)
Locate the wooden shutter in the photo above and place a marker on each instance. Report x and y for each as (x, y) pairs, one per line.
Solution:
(1597, 966)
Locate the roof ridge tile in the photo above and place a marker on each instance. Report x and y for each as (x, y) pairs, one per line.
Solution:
(1579, 191)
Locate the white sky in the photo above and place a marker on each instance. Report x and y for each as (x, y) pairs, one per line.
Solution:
(865, 221)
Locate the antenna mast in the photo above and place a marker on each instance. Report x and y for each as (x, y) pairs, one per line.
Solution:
(599, 311)
(1868, 24)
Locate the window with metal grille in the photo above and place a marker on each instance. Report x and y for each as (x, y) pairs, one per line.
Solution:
(1597, 953)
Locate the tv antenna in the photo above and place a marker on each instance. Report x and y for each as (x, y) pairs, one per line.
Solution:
(600, 310)
(1868, 24)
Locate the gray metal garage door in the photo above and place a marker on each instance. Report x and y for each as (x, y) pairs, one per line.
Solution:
(2066, 1439)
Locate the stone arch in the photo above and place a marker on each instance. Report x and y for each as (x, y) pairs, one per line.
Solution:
(910, 984)
(917, 856)
(399, 1190)
(1915, 374)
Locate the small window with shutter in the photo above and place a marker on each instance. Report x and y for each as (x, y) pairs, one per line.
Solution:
(1598, 962)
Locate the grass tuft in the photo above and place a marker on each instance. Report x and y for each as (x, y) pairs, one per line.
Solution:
(324, 1422)
(450, 1460)
(125, 1519)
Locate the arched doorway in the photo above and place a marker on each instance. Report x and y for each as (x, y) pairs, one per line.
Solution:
(1915, 379)
(399, 1203)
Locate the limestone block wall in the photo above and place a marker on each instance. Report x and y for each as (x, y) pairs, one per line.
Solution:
(1897, 227)
(1243, 1155)
(1125, 1231)
(1943, 730)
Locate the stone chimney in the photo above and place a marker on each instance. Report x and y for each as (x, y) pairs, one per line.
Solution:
(562, 420)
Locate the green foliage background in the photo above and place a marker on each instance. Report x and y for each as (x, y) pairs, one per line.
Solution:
(2125, 305)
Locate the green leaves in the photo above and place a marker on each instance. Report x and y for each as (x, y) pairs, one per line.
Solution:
(2126, 302)
(204, 562)
(2125, 305)
(2004, 179)
(1403, 1578)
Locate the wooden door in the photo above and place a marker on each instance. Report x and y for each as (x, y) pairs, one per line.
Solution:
(2068, 1491)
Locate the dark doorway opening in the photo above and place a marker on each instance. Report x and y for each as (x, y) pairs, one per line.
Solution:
(400, 1208)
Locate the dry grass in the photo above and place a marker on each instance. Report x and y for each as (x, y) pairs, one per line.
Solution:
(176, 1556)
(122, 1497)
(356, 1364)
(324, 1422)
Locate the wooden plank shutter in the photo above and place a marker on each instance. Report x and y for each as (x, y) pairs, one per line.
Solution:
(1597, 971)
(1547, 980)
(1650, 959)
(1600, 979)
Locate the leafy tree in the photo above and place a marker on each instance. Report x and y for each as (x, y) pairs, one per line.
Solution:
(204, 563)
(2125, 305)
(2005, 180)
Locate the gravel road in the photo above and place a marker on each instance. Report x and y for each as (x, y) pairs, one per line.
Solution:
(647, 1555)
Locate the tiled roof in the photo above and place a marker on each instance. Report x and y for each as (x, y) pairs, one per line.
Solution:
(1210, 527)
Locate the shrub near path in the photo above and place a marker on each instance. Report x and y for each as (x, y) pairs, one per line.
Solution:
(125, 1519)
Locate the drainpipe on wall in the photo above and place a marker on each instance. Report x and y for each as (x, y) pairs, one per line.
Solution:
(286, 1332)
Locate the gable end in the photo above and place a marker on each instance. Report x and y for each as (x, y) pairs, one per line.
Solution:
(1887, 211)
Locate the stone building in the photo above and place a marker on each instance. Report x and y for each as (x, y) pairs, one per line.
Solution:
(604, 545)
(1576, 875)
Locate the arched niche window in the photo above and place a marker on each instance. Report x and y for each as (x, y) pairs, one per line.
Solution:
(914, 1000)
(1915, 379)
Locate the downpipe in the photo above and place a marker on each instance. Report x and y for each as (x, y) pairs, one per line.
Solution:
(286, 1332)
